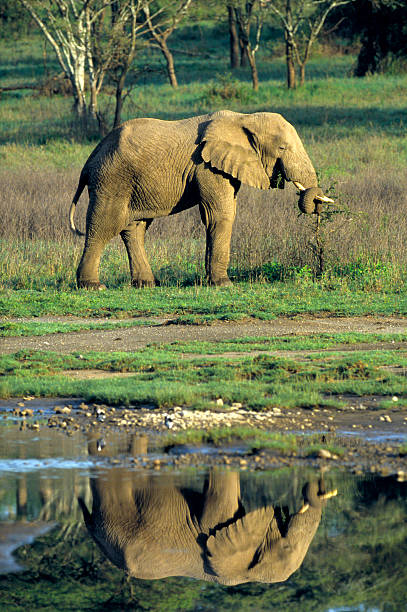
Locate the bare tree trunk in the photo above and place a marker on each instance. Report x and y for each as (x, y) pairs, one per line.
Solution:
(79, 99)
(233, 37)
(302, 74)
(160, 35)
(289, 56)
(119, 101)
(93, 101)
(170, 63)
(253, 68)
(243, 54)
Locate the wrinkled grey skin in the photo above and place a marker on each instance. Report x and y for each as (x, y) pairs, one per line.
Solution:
(153, 531)
(149, 168)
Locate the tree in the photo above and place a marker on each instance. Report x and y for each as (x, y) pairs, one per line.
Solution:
(302, 21)
(63, 25)
(245, 12)
(383, 29)
(161, 30)
(13, 19)
(233, 35)
(91, 38)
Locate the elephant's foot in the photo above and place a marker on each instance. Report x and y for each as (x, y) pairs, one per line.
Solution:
(224, 281)
(93, 285)
(139, 283)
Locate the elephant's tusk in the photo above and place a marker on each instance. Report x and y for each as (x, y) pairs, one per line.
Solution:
(299, 186)
(324, 198)
(303, 509)
(330, 494)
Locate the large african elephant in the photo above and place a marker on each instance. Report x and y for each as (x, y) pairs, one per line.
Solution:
(149, 168)
(154, 531)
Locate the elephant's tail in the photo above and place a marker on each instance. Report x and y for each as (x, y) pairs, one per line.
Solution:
(83, 181)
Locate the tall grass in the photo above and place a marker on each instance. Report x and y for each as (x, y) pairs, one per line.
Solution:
(270, 240)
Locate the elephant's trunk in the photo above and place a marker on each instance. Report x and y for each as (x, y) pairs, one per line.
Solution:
(311, 199)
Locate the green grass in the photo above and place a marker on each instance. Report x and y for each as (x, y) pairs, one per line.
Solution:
(39, 328)
(204, 304)
(162, 379)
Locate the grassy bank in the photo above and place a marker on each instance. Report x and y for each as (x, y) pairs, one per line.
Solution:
(205, 304)
(188, 374)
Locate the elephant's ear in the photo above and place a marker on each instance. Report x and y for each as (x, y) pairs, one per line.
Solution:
(230, 147)
(231, 550)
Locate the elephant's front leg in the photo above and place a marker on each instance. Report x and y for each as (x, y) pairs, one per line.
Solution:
(133, 238)
(219, 225)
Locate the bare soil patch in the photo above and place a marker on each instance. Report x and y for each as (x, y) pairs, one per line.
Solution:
(131, 339)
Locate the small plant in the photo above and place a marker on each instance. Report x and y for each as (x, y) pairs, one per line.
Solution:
(323, 229)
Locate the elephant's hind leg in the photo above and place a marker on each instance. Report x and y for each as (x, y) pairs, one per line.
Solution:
(87, 274)
(133, 238)
(105, 219)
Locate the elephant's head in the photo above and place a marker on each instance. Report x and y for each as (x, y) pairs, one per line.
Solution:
(266, 545)
(262, 150)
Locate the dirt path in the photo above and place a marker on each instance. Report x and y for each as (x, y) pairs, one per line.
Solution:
(131, 339)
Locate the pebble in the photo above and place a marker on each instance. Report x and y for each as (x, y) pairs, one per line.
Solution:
(62, 410)
(27, 412)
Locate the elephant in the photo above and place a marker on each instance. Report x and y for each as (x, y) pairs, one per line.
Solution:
(148, 168)
(153, 530)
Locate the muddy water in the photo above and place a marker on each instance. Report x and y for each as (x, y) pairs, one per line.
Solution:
(83, 526)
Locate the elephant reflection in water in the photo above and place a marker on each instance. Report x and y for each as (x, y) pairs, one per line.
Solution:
(154, 530)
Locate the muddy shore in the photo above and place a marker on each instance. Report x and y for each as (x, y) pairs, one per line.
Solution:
(366, 439)
(369, 438)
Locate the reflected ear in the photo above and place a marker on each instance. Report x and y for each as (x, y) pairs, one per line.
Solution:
(229, 146)
(231, 550)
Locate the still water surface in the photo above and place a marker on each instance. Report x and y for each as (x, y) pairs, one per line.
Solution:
(90, 534)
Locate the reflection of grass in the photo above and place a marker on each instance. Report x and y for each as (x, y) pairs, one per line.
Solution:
(254, 438)
(313, 449)
(163, 379)
(403, 449)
